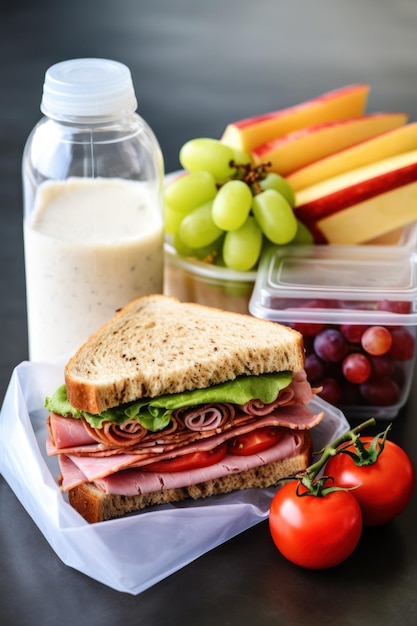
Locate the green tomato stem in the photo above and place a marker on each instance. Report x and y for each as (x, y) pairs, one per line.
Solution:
(331, 449)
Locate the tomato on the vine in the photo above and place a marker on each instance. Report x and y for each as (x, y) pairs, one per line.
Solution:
(383, 487)
(313, 531)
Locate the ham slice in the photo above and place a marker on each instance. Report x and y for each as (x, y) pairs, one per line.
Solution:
(71, 475)
(298, 392)
(66, 432)
(297, 417)
(115, 453)
(187, 425)
(118, 435)
(95, 468)
(209, 417)
(132, 481)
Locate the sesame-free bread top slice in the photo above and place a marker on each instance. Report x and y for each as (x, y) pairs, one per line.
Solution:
(157, 345)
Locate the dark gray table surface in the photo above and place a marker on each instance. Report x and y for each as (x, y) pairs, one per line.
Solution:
(197, 66)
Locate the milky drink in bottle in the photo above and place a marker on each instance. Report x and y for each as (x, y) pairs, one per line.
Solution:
(93, 228)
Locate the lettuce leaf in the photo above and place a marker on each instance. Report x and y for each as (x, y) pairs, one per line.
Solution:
(59, 403)
(154, 413)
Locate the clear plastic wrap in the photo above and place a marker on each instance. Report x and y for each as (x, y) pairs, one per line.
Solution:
(132, 553)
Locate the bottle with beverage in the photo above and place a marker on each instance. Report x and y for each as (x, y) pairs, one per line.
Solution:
(93, 219)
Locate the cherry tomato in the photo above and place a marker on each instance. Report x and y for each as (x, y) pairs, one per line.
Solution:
(315, 532)
(386, 486)
(193, 460)
(255, 441)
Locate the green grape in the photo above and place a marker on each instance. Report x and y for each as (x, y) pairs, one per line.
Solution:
(181, 248)
(197, 229)
(241, 158)
(172, 220)
(242, 247)
(212, 251)
(232, 204)
(277, 182)
(188, 191)
(208, 155)
(274, 216)
(303, 236)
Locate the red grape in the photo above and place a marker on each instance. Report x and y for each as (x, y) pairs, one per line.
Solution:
(381, 366)
(331, 391)
(356, 368)
(394, 306)
(403, 344)
(382, 392)
(308, 329)
(318, 303)
(376, 340)
(399, 375)
(358, 364)
(314, 367)
(353, 332)
(330, 345)
(351, 394)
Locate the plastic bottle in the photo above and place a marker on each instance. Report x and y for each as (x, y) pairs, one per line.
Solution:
(93, 221)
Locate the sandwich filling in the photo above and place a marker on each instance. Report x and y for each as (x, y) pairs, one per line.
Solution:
(182, 439)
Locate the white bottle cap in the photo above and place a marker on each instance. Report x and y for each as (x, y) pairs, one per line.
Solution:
(97, 88)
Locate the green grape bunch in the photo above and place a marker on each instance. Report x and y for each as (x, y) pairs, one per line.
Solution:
(221, 209)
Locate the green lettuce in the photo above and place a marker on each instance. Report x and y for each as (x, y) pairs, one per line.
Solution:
(154, 413)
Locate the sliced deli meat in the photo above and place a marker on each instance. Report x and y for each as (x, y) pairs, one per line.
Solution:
(76, 435)
(114, 457)
(290, 416)
(67, 432)
(95, 467)
(124, 479)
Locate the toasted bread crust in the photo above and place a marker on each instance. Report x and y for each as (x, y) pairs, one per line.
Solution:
(157, 345)
(96, 506)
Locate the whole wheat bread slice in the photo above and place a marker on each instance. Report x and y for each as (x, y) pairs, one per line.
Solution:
(96, 506)
(157, 344)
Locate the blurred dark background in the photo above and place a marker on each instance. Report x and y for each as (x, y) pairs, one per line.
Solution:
(196, 66)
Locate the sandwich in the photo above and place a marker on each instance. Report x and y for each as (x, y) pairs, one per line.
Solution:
(171, 400)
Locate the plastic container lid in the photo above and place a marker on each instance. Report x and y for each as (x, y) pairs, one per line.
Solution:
(97, 88)
(349, 281)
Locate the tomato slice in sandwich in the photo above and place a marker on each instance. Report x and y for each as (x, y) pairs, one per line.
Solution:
(193, 460)
(255, 441)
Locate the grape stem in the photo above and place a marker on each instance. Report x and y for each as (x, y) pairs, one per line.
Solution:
(248, 174)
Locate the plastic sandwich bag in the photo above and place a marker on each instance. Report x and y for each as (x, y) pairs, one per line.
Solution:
(132, 553)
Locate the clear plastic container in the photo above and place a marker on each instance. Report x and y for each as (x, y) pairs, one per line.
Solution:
(191, 280)
(347, 289)
(93, 227)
